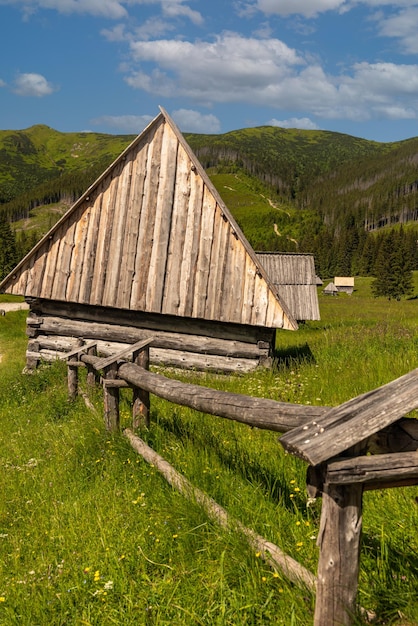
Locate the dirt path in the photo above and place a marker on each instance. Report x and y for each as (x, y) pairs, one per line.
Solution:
(12, 306)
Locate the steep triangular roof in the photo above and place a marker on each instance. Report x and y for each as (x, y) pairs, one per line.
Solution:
(152, 234)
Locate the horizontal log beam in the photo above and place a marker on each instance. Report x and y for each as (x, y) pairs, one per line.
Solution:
(167, 340)
(259, 412)
(375, 472)
(51, 349)
(153, 321)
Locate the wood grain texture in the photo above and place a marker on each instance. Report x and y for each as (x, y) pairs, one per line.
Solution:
(338, 567)
(354, 421)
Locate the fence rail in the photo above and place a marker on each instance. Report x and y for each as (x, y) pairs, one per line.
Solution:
(372, 422)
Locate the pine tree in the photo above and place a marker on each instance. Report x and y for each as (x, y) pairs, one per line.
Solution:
(393, 273)
(8, 249)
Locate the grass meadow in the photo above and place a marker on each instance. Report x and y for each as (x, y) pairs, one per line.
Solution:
(92, 535)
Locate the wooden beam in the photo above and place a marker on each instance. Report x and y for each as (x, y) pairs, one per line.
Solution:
(259, 412)
(354, 421)
(79, 349)
(110, 360)
(375, 472)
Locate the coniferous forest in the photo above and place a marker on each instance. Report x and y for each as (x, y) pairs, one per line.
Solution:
(349, 201)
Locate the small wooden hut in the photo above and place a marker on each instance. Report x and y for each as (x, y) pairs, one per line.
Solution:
(293, 275)
(344, 284)
(330, 290)
(150, 249)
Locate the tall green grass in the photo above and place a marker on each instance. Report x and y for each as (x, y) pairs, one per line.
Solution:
(92, 535)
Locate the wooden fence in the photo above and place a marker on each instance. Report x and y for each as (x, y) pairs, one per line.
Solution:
(365, 443)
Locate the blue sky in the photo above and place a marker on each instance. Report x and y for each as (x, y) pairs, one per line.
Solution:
(349, 66)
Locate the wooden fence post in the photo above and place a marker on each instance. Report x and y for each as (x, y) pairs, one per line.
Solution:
(72, 373)
(339, 543)
(72, 377)
(92, 376)
(141, 398)
(111, 398)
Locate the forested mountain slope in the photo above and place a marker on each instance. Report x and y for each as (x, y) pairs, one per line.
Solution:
(290, 190)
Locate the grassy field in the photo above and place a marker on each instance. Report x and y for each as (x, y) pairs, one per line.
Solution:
(92, 535)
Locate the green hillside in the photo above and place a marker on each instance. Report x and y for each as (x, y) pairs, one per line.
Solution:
(39, 153)
(290, 190)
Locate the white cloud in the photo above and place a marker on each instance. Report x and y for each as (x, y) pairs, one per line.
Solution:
(403, 26)
(132, 124)
(112, 9)
(176, 8)
(312, 8)
(195, 122)
(295, 122)
(266, 72)
(308, 8)
(2, 83)
(229, 69)
(34, 85)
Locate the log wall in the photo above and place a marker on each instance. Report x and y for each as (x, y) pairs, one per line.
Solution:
(54, 329)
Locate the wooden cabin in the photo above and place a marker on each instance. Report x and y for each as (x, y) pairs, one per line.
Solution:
(294, 277)
(344, 284)
(150, 249)
(330, 290)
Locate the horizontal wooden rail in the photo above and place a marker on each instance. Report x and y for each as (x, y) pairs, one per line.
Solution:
(255, 412)
(354, 421)
(379, 471)
(259, 412)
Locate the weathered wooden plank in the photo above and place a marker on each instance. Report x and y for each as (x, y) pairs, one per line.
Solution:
(143, 256)
(374, 472)
(260, 412)
(80, 348)
(65, 329)
(355, 420)
(216, 279)
(130, 245)
(249, 287)
(237, 268)
(62, 272)
(153, 321)
(36, 270)
(261, 297)
(199, 361)
(99, 269)
(338, 566)
(204, 254)
(191, 246)
(120, 216)
(50, 265)
(77, 258)
(171, 298)
(162, 225)
(107, 268)
(72, 379)
(103, 363)
(90, 249)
